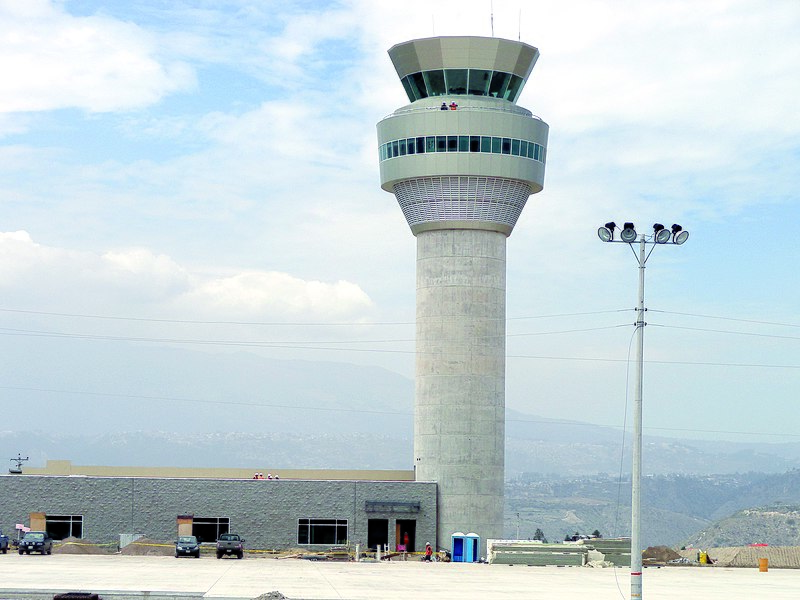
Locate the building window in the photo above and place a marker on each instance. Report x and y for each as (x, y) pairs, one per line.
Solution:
(460, 82)
(461, 143)
(328, 532)
(434, 81)
(61, 527)
(208, 529)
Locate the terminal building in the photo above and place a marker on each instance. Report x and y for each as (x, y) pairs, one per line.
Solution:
(462, 159)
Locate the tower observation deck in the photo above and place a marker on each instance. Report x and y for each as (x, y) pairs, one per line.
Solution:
(462, 159)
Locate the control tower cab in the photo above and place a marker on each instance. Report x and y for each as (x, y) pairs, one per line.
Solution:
(473, 165)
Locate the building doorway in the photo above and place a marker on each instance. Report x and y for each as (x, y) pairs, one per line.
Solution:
(377, 533)
(406, 532)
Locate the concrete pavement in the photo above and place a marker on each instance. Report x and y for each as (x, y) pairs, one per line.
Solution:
(120, 577)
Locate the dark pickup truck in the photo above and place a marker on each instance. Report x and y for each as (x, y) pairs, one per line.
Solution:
(230, 544)
(3, 543)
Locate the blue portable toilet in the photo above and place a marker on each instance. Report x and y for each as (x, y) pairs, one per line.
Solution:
(466, 547)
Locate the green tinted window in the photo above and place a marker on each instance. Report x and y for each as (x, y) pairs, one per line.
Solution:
(523, 148)
(434, 81)
(456, 81)
(430, 144)
(441, 143)
(417, 84)
(514, 85)
(515, 147)
(479, 82)
(452, 143)
(486, 144)
(475, 143)
(499, 84)
(402, 147)
(463, 143)
(410, 146)
(420, 145)
(408, 89)
(495, 145)
(506, 145)
(531, 149)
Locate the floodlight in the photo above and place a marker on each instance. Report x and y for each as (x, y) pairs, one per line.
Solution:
(605, 234)
(628, 233)
(681, 237)
(661, 235)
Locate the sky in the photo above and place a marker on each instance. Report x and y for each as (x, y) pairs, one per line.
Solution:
(205, 174)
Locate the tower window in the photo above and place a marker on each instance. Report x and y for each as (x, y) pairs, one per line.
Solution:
(479, 82)
(499, 84)
(456, 81)
(434, 82)
(514, 86)
(462, 143)
(417, 83)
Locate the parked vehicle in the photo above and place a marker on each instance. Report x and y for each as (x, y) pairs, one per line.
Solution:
(230, 544)
(3, 543)
(36, 541)
(187, 545)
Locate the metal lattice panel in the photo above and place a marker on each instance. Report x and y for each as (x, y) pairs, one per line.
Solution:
(462, 198)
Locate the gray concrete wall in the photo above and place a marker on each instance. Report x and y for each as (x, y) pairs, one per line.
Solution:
(459, 427)
(264, 512)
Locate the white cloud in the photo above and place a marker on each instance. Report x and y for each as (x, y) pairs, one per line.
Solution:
(41, 277)
(51, 60)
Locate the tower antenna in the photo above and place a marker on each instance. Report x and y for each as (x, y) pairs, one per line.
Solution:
(519, 26)
(491, 16)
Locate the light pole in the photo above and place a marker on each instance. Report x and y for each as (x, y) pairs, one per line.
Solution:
(677, 236)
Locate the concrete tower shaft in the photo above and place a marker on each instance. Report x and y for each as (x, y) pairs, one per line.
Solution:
(462, 159)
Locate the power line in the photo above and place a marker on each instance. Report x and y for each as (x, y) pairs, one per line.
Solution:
(724, 318)
(272, 323)
(299, 346)
(748, 333)
(365, 411)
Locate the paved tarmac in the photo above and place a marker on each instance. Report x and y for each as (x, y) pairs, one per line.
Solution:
(120, 577)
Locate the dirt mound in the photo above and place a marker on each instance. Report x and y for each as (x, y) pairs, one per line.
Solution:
(271, 596)
(660, 554)
(148, 547)
(73, 545)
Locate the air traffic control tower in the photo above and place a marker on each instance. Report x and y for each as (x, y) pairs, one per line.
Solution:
(462, 159)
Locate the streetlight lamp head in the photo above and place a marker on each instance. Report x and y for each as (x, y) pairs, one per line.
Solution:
(628, 233)
(605, 234)
(679, 236)
(661, 234)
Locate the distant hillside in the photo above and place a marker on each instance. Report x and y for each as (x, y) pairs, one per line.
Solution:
(674, 507)
(777, 525)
